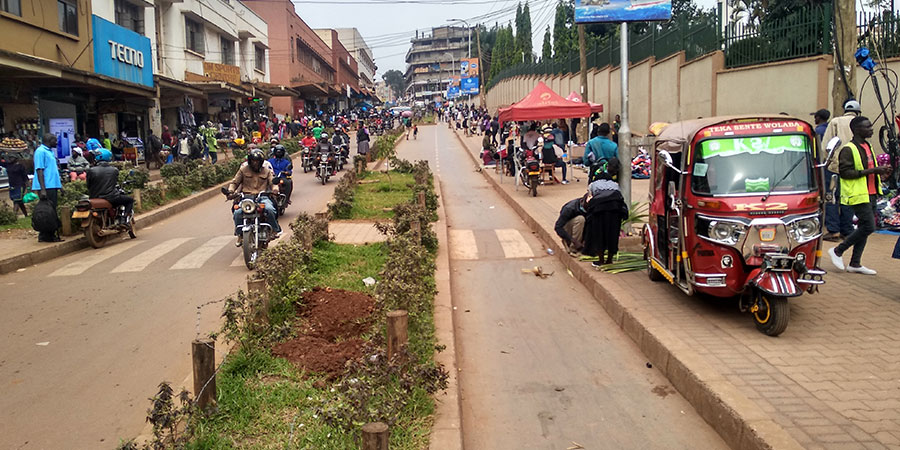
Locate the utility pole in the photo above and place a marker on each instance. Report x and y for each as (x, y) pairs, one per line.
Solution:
(624, 130)
(582, 55)
(845, 47)
(480, 73)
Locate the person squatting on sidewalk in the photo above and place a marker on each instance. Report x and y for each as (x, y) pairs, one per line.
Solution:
(860, 185)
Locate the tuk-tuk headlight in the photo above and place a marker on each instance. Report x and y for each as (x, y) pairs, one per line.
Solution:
(726, 232)
(248, 206)
(805, 229)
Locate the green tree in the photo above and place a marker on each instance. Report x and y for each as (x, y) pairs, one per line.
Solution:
(524, 35)
(395, 80)
(547, 48)
(504, 51)
(565, 40)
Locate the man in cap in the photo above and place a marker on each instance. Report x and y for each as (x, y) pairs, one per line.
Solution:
(838, 216)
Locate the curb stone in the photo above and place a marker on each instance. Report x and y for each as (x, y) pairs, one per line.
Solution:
(75, 243)
(446, 431)
(738, 420)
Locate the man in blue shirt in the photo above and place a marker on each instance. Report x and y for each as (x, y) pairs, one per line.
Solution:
(600, 148)
(46, 179)
(821, 117)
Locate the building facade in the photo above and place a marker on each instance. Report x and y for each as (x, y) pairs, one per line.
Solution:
(346, 80)
(66, 72)
(304, 61)
(357, 46)
(433, 59)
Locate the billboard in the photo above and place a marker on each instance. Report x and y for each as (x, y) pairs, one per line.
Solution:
(468, 67)
(469, 86)
(453, 92)
(593, 11)
(121, 53)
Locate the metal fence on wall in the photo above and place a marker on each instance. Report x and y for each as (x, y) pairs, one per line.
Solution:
(806, 32)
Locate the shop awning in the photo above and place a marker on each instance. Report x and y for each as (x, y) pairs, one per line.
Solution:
(271, 90)
(170, 84)
(595, 107)
(541, 104)
(310, 89)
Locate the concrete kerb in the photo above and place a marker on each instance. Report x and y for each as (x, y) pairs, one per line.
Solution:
(738, 420)
(73, 244)
(446, 432)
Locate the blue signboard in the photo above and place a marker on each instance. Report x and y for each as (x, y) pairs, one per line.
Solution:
(593, 11)
(469, 85)
(453, 92)
(122, 53)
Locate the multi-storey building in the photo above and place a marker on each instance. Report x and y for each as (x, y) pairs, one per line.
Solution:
(346, 70)
(357, 46)
(304, 61)
(433, 60)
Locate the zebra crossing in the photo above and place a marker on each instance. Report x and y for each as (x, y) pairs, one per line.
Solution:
(148, 254)
(483, 244)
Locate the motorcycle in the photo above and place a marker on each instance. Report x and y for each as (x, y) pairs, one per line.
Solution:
(306, 159)
(100, 219)
(529, 170)
(342, 156)
(285, 187)
(325, 168)
(255, 232)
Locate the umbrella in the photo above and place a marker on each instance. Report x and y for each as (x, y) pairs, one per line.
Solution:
(407, 114)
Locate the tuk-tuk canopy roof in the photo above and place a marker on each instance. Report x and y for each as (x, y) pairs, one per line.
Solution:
(675, 135)
(542, 104)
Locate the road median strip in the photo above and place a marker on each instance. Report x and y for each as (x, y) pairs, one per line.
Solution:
(737, 419)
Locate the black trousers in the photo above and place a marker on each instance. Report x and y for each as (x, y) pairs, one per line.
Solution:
(865, 212)
(122, 200)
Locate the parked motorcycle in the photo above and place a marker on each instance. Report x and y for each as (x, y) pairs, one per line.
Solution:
(529, 170)
(100, 219)
(255, 232)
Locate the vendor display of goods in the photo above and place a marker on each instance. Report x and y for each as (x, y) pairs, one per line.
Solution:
(13, 144)
(640, 166)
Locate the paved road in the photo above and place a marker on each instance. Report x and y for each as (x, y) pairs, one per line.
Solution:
(87, 337)
(542, 364)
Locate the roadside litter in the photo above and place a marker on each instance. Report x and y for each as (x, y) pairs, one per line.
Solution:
(538, 271)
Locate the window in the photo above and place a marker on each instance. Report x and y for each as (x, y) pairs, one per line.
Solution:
(130, 16)
(260, 54)
(227, 51)
(193, 33)
(292, 49)
(11, 6)
(68, 16)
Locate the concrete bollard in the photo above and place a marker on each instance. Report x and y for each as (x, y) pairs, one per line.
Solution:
(65, 216)
(204, 361)
(421, 197)
(416, 229)
(397, 325)
(375, 436)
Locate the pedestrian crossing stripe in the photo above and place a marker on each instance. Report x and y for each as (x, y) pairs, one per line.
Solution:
(92, 258)
(144, 259)
(464, 246)
(196, 258)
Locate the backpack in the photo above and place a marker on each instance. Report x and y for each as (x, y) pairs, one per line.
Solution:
(44, 218)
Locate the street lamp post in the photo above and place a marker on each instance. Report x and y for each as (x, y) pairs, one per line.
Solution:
(452, 65)
(468, 37)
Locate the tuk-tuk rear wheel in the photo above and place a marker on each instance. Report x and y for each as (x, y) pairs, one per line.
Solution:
(771, 314)
(652, 273)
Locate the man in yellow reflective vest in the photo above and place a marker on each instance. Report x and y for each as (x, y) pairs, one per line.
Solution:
(860, 184)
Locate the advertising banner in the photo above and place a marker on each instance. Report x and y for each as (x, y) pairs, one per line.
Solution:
(468, 68)
(64, 129)
(122, 53)
(469, 86)
(594, 11)
(453, 92)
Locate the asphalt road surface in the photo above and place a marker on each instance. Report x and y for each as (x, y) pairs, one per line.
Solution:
(542, 364)
(89, 336)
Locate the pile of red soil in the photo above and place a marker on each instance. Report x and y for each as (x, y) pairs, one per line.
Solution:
(329, 332)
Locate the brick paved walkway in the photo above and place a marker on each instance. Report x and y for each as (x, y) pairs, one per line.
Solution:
(832, 380)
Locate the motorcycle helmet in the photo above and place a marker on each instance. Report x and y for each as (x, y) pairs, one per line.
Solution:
(103, 155)
(279, 151)
(255, 159)
(324, 135)
(852, 106)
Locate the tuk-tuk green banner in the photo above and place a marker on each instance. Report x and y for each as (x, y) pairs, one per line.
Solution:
(774, 145)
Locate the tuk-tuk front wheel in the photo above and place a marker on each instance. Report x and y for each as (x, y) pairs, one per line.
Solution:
(771, 314)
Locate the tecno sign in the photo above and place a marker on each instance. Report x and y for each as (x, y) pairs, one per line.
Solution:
(126, 54)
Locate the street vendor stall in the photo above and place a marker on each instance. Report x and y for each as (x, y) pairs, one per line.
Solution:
(595, 107)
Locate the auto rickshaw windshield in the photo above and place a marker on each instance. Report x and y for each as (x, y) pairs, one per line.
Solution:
(737, 165)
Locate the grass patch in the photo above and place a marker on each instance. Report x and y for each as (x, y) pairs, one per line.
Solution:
(22, 223)
(389, 190)
(343, 266)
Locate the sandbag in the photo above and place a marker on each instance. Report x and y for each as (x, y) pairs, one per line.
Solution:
(44, 218)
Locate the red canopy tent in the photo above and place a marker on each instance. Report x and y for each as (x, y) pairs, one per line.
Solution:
(595, 107)
(541, 104)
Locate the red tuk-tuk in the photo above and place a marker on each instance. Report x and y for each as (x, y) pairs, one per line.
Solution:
(736, 209)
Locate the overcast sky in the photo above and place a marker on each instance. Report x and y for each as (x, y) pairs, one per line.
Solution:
(388, 25)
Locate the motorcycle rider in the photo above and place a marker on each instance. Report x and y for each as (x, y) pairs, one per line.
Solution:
(102, 182)
(282, 166)
(309, 141)
(324, 146)
(341, 142)
(252, 178)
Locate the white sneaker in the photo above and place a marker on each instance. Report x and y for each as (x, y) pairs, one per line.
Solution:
(861, 269)
(835, 259)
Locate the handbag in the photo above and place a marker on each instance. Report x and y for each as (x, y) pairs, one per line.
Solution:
(44, 218)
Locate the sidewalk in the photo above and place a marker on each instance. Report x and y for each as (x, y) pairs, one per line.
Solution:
(831, 381)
